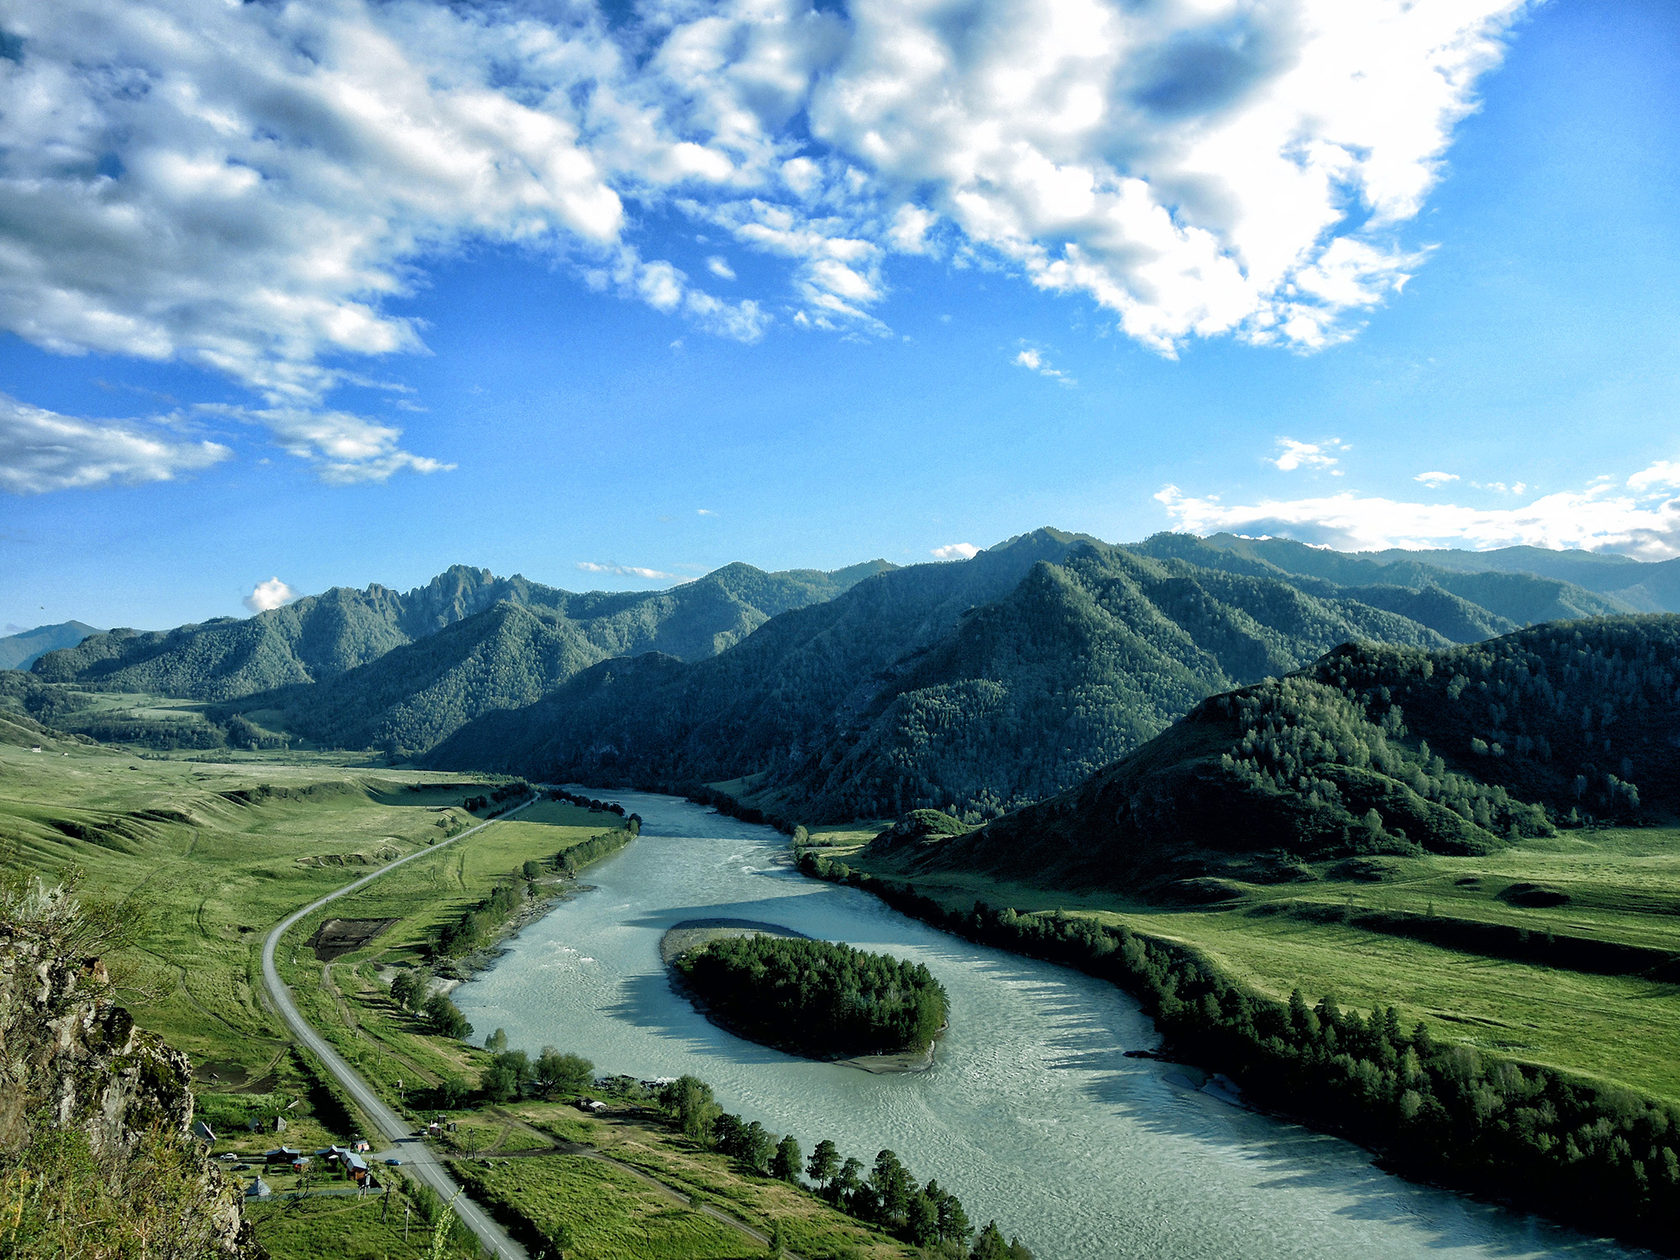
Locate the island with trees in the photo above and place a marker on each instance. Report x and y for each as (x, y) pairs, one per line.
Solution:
(815, 998)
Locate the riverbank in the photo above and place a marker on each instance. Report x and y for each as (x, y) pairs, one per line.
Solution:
(486, 926)
(1521, 1135)
(452, 972)
(693, 933)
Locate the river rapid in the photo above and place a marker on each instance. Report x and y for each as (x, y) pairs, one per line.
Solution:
(1031, 1112)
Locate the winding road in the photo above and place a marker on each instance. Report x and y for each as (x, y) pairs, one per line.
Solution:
(418, 1157)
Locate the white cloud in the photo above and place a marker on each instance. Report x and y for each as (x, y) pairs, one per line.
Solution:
(1317, 456)
(720, 268)
(252, 187)
(1627, 516)
(344, 448)
(629, 570)
(1033, 360)
(1434, 480)
(704, 512)
(1663, 474)
(41, 450)
(956, 551)
(270, 595)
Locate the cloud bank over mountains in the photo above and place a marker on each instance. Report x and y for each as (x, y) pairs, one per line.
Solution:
(1638, 515)
(249, 188)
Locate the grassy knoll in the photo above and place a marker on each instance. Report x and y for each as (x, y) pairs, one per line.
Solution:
(604, 1211)
(1468, 944)
(809, 1226)
(341, 1228)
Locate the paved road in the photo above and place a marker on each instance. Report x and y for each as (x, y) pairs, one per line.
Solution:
(418, 1159)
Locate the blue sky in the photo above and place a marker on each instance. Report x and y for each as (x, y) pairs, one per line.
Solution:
(334, 294)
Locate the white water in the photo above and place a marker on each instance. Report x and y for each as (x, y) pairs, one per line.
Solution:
(1031, 1113)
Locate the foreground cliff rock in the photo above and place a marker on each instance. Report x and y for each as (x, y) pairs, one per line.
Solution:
(96, 1159)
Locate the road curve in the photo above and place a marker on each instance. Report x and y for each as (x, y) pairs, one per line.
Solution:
(417, 1155)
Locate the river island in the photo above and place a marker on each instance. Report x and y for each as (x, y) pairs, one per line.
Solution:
(818, 999)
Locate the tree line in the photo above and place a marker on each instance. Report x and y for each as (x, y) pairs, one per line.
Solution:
(479, 923)
(884, 1194)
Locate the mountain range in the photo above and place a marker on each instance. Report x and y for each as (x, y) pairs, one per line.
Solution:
(980, 686)
(973, 687)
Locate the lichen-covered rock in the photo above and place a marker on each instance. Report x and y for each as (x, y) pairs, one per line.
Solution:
(94, 1122)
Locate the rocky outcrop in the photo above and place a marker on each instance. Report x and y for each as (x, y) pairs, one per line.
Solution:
(95, 1119)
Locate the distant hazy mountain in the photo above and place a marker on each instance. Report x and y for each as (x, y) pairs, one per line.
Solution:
(21, 650)
(1371, 750)
(1503, 586)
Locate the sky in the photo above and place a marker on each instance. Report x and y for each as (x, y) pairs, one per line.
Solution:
(296, 295)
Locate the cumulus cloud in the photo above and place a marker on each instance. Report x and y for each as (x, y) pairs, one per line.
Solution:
(1637, 515)
(41, 450)
(956, 551)
(1434, 480)
(720, 268)
(251, 187)
(1318, 456)
(629, 570)
(269, 595)
(1662, 475)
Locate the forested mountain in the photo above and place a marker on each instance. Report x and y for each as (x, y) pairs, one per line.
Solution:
(758, 703)
(325, 637)
(20, 651)
(977, 686)
(508, 656)
(1370, 750)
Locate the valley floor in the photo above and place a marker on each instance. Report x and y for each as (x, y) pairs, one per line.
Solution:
(211, 853)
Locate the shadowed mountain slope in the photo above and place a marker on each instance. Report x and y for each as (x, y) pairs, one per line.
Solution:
(977, 686)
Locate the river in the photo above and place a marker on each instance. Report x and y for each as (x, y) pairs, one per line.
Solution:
(1031, 1113)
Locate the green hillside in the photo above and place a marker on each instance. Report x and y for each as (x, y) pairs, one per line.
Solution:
(1370, 751)
(374, 668)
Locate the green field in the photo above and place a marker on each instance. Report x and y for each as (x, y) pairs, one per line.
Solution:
(1611, 887)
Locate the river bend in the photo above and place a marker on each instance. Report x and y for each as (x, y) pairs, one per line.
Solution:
(1031, 1113)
